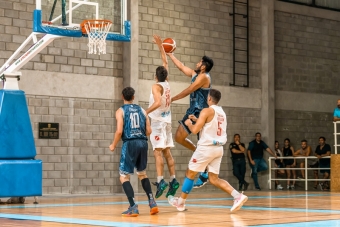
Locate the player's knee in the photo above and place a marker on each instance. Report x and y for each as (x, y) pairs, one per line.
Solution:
(187, 186)
(157, 152)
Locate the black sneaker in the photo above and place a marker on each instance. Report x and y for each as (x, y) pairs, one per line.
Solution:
(174, 185)
(240, 186)
(161, 186)
(245, 186)
(258, 188)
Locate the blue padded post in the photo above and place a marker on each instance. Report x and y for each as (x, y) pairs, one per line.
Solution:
(20, 178)
(16, 135)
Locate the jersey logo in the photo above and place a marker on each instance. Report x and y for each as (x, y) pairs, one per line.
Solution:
(156, 138)
(194, 160)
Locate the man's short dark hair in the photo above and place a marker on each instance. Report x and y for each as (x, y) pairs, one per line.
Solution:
(321, 137)
(237, 135)
(215, 95)
(257, 134)
(161, 73)
(128, 93)
(208, 62)
(303, 141)
(287, 140)
(276, 141)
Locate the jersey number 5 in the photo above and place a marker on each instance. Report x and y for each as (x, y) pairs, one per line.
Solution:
(219, 129)
(134, 118)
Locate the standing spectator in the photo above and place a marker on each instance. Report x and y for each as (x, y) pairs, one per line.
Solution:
(336, 114)
(323, 150)
(237, 150)
(278, 164)
(288, 151)
(304, 151)
(255, 155)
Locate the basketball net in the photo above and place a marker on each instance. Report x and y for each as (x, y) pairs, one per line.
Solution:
(97, 31)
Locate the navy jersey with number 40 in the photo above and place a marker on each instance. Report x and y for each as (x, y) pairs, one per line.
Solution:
(134, 122)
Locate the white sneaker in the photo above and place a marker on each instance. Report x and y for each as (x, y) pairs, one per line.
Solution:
(279, 187)
(238, 203)
(173, 201)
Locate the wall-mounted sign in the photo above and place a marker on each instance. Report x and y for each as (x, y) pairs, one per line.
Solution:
(48, 130)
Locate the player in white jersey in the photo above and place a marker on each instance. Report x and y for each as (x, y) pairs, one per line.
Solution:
(212, 125)
(161, 136)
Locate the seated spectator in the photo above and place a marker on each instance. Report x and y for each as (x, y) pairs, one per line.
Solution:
(278, 164)
(323, 150)
(288, 151)
(304, 151)
(336, 114)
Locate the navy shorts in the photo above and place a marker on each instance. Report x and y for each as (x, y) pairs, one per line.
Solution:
(186, 116)
(134, 155)
(325, 165)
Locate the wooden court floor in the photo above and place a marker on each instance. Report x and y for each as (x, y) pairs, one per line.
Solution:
(264, 208)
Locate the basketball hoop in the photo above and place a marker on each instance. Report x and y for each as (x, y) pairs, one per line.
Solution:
(97, 31)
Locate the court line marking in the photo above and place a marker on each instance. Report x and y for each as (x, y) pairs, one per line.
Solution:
(304, 224)
(158, 201)
(74, 221)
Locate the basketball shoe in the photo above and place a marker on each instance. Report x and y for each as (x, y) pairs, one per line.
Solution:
(173, 186)
(202, 180)
(238, 203)
(161, 186)
(173, 201)
(131, 211)
(153, 207)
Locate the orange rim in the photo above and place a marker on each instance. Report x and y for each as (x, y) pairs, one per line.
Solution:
(93, 23)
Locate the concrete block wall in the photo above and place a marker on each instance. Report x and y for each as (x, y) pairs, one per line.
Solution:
(199, 28)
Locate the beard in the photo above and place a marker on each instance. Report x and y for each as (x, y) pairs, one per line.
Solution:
(198, 70)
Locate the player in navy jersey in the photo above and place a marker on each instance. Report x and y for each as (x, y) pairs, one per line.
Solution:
(133, 127)
(198, 91)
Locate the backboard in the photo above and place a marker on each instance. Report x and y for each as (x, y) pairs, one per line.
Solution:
(63, 17)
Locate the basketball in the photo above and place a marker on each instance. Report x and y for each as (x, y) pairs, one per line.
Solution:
(169, 45)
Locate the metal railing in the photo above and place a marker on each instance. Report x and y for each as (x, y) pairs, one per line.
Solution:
(336, 145)
(306, 168)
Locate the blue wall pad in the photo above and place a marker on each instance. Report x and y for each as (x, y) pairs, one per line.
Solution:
(20, 178)
(16, 135)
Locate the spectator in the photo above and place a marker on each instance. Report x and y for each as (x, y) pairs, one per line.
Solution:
(255, 155)
(237, 150)
(336, 114)
(278, 164)
(288, 151)
(323, 150)
(304, 151)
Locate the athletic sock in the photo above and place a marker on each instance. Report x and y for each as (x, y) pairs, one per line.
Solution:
(235, 194)
(172, 177)
(159, 178)
(129, 192)
(147, 187)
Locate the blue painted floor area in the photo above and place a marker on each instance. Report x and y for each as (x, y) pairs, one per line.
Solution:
(73, 221)
(328, 223)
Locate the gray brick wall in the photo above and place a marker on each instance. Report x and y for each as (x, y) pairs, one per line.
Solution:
(79, 161)
(306, 54)
(62, 55)
(199, 28)
(299, 125)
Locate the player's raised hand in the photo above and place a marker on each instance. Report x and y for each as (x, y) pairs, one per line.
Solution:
(157, 39)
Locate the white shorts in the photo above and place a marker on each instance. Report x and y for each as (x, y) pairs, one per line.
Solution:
(161, 136)
(206, 156)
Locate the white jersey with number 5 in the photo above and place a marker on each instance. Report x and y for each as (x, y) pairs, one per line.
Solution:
(163, 112)
(215, 132)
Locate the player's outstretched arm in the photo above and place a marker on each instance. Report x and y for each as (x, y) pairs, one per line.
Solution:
(157, 91)
(157, 39)
(186, 70)
(198, 83)
(196, 128)
(119, 130)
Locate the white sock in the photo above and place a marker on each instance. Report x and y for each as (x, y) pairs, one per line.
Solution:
(235, 194)
(159, 178)
(172, 177)
(181, 201)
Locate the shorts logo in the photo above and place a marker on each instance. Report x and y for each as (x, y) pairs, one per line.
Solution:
(194, 160)
(157, 138)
